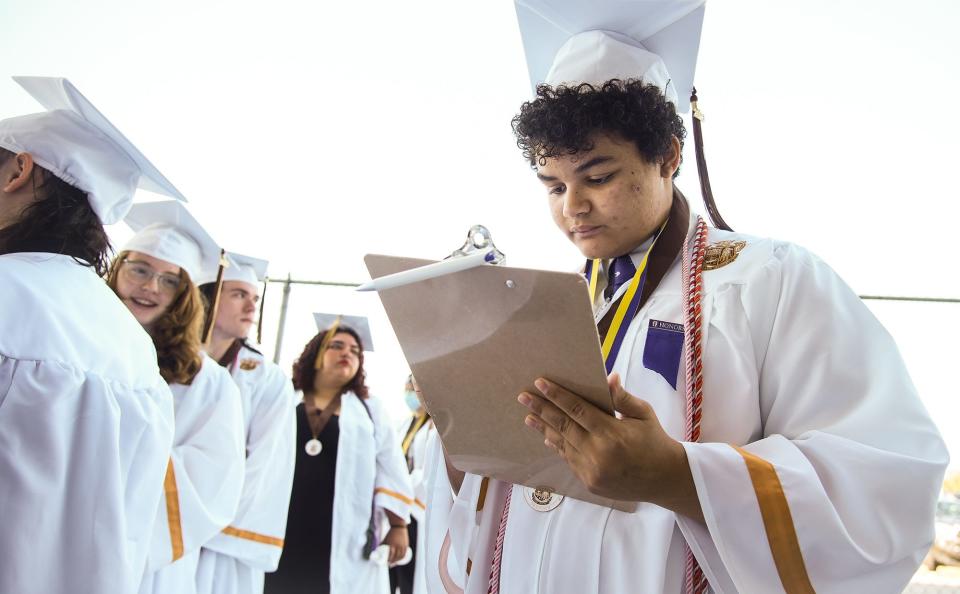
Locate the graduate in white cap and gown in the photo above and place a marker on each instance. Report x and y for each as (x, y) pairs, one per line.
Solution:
(153, 276)
(416, 433)
(86, 421)
(767, 427)
(234, 561)
(351, 497)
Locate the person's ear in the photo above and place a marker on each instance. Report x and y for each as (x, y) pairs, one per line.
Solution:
(671, 162)
(19, 174)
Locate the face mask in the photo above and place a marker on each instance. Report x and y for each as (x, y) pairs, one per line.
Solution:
(410, 397)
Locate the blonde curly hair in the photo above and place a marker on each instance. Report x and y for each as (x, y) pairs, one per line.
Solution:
(176, 333)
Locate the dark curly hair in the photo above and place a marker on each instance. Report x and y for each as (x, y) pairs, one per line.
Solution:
(304, 374)
(563, 120)
(61, 220)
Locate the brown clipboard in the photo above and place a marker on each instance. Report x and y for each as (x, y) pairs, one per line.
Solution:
(476, 339)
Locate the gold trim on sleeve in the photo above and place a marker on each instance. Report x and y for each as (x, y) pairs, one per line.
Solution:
(248, 535)
(394, 494)
(778, 523)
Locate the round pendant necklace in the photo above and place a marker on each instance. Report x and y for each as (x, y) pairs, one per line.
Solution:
(313, 447)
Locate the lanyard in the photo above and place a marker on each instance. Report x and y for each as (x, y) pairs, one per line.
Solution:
(628, 305)
(415, 426)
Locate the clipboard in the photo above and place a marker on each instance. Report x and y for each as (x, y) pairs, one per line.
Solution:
(475, 340)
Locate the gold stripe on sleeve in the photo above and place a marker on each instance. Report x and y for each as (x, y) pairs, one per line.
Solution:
(394, 494)
(778, 523)
(247, 535)
(173, 511)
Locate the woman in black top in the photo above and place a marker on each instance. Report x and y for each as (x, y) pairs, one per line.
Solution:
(329, 370)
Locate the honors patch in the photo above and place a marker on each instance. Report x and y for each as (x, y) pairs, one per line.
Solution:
(663, 349)
(249, 364)
(722, 253)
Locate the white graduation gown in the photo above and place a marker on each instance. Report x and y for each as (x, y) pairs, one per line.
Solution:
(203, 482)
(419, 453)
(369, 463)
(86, 424)
(797, 371)
(234, 561)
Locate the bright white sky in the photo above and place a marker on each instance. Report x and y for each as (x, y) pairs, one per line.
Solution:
(311, 133)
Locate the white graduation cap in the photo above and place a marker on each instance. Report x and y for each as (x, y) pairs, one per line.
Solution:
(75, 142)
(571, 42)
(241, 268)
(166, 230)
(360, 324)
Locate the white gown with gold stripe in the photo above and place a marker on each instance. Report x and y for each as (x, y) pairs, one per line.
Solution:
(234, 561)
(86, 424)
(370, 464)
(203, 482)
(833, 490)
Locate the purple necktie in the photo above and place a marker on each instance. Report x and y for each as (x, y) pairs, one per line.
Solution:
(621, 272)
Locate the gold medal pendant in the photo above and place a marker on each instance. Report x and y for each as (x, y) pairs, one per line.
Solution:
(313, 447)
(541, 500)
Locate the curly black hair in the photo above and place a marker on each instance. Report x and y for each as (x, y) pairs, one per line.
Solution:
(563, 120)
(61, 221)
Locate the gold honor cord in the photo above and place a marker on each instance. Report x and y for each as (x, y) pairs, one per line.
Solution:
(627, 299)
(412, 433)
(594, 273)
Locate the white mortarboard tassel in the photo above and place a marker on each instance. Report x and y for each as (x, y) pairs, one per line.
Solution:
(568, 42)
(75, 142)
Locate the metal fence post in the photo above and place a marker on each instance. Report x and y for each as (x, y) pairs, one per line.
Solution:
(283, 320)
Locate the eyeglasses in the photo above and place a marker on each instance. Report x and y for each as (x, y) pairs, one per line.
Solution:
(339, 345)
(141, 274)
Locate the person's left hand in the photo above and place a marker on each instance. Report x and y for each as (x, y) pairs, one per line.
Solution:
(398, 540)
(628, 459)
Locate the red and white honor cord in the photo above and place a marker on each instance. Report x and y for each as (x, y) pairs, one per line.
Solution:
(494, 587)
(692, 275)
(692, 269)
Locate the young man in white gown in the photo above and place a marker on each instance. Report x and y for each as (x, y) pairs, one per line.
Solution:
(234, 561)
(766, 425)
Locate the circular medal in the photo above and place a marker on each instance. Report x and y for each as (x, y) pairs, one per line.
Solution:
(541, 500)
(313, 447)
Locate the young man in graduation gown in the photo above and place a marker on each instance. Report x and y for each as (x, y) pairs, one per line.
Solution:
(416, 431)
(86, 421)
(234, 561)
(782, 449)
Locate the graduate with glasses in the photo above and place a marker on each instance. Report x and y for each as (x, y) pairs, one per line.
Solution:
(767, 427)
(153, 276)
(86, 421)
